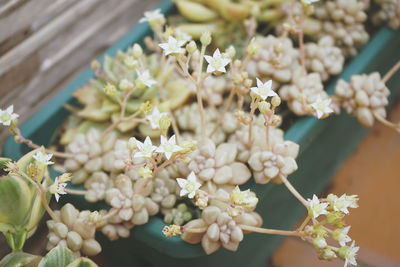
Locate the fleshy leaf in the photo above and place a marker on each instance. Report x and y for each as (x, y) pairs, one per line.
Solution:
(82, 262)
(59, 256)
(20, 259)
(15, 200)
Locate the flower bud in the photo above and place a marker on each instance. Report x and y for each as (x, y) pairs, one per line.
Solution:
(95, 217)
(335, 218)
(145, 172)
(327, 254)
(137, 51)
(172, 230)
(164, 122)
(95, 65)
(191, 47)
(276, 101)
(125, 85)
(205, 38)
(248, 83)
(264, 107)
(132, 145)
(319, 243)
(110, 90)
(231, 51)
(253, 47)
(146, 107)
(130, 62)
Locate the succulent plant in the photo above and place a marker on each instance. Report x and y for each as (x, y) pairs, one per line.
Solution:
(304, 90)
(215, 166)
(73, 230)
(389, 12)
(276, 59)
(363, 96)
(165, 189)
(258, 142)
(222, 229)
(130, 200)
(324, 57)
(88, 150)
(179, 215)
(343, 20)
(270, 165)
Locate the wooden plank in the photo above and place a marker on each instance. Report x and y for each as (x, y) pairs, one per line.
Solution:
(19, 16)
(44, 35)
(68, 53)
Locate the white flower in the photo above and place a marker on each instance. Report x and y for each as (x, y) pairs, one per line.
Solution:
(217, 62)
(341, 203)
(7, 116)
(144, 78)
(322, 107)
(189, 186)
(353, 201)
(315, 208)
(263, 90)
(309, 2)
(182, 36)
(150, 16)
(173, 46)
(341, 236)
(43, 158)
(58, 189)
(146, 149)
(155, 117)
(168, 147)
(350, 254)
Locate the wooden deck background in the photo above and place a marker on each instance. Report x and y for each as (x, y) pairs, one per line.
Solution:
(44, 43)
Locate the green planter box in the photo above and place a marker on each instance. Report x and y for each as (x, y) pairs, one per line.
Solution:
(324, 144)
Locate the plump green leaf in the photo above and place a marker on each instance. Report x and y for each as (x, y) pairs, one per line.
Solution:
(59, 256)
(20, 259)
(82, 262)
(15, 200)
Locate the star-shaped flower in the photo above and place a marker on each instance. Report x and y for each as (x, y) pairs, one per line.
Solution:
(58, 188)
(217, 62)
(151, 16)
(168, 147)
(353, 201)
(173, 46)
(315, 208)
(349, 254)
(263, 90)
(43, 158)
(322, 107)
(182, 36)
(154, 118)
(188, 186)
(144, 79)
(145, 149)
(7, 116)
(341, 236)
(340, 203)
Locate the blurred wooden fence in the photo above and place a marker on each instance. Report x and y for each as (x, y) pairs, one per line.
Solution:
(43, 43)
